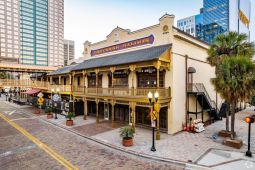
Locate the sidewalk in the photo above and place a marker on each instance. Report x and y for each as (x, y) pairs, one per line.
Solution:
(198, 148)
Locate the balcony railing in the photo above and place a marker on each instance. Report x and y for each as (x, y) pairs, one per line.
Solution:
(62, 88)
(81, 90)
(23, 83)
(123, 92)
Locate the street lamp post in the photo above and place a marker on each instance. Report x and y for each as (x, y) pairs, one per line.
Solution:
(6, 93)
(249, 120)
(55, 100)
(153, 100)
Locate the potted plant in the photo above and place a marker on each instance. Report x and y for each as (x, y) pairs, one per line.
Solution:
(38, 110)
(127, 134)
(69, 121)
(48, 110)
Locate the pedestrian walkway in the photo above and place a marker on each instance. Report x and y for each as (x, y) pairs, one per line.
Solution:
(222, 159)
(199, 148)
(61, 120)
(184, 146)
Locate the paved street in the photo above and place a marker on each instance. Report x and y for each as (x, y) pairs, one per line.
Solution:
(19, 152)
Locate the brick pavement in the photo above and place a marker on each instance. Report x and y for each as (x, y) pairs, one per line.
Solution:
(79, 151)
(94, 128)
(183, 146)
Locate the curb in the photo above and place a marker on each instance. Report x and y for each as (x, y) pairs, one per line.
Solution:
(181, 164)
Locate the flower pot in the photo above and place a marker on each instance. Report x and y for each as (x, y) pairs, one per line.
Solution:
(127, 142)
(49, 116)
(69, 122)
(37, 111)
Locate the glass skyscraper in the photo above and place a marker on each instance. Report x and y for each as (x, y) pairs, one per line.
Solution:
(221, 16)
(34, 32)
(215, 19)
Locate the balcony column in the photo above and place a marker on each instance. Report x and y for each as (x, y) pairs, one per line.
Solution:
(72, 89)
(113, 113)
(133, 106)
(96, 71)
(74, 105)
(157, 66)
(70, 83)
(51, 80)
(112, 69)
(85, 108)
(59, 80)
(84, 82)
(97, 116)
(132, 69)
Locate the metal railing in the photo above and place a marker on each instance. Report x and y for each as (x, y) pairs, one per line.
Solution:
(199, 87)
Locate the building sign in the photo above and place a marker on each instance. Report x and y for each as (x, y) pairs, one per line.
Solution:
(125, 45)
(243, 18)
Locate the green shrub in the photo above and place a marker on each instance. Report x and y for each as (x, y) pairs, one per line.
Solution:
(69, 116)
(48, 110)
(127, 132)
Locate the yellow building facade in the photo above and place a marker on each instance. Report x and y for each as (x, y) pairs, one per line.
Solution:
(117, 74)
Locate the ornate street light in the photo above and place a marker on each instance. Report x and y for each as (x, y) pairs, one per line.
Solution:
(153, 99)
(55, 100)
(249, 120)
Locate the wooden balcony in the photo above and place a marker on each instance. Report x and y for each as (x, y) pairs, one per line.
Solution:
(62, 88)
(23, 83)
(164, 93)
(122, 92)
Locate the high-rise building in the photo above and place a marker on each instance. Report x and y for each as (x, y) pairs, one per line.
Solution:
(221, 16)
(56, 32)
(192, 25)
(188, 25)
(68, 51)
(9, 31)
(32, 32)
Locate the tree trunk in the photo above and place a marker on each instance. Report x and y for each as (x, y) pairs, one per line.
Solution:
(233, 109)
(227, 117)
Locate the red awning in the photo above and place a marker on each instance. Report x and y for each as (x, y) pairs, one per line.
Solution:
(32, 91)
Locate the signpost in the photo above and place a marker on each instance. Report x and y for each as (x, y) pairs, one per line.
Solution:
(40, 99)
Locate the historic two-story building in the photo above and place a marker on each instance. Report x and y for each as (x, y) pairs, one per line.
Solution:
(117, 74)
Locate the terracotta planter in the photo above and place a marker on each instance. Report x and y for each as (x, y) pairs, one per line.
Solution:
(69, 122)
(224, 133)
(49, 116)
(38, 111)
(127, 142)
(233, 143)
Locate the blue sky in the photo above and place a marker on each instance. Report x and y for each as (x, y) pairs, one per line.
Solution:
(93, 20)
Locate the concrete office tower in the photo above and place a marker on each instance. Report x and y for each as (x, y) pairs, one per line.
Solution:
(68, 51)
(56, 32)
(9, 31)
(33, 32)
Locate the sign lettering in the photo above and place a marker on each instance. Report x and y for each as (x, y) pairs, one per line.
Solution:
(125, 45)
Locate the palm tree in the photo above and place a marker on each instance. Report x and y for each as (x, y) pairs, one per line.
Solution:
(229, 45)
(234, 82)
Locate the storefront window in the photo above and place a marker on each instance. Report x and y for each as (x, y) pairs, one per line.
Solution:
(147, 77)
(120, 79)
(92, 80)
